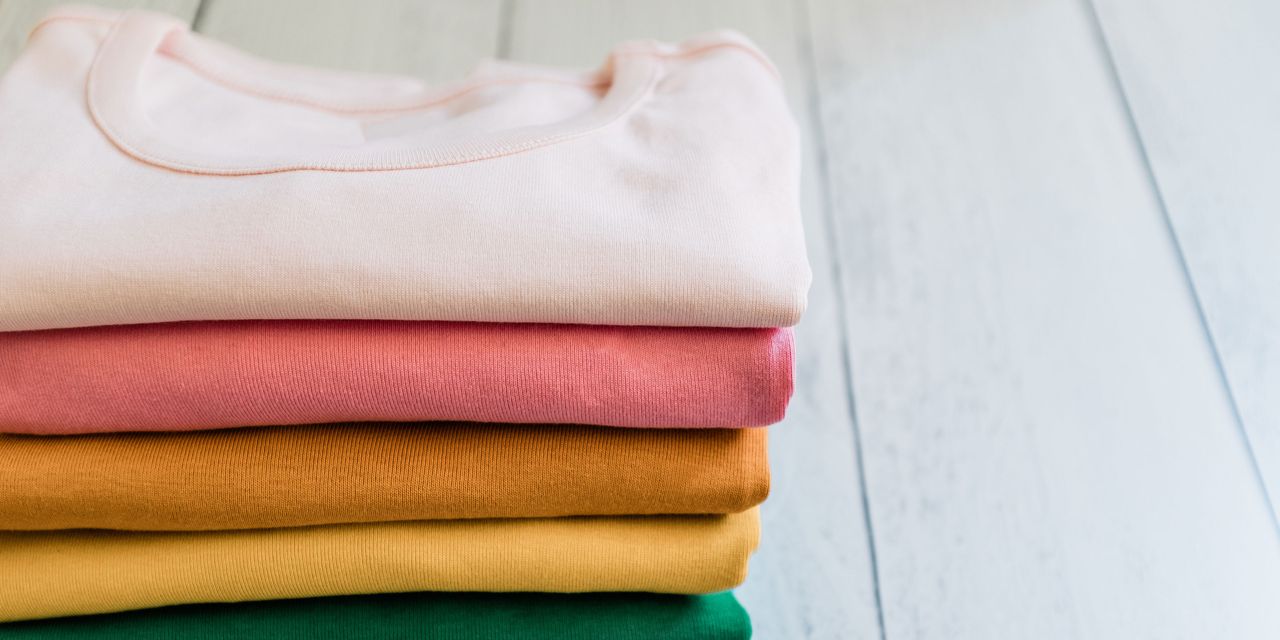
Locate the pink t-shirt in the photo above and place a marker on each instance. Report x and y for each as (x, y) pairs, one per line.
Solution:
(184, 376)
(148, 174)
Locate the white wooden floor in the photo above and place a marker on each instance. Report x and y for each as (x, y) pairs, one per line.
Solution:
(1039, 380)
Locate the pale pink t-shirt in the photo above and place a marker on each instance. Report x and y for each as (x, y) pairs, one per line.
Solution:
(148, 174)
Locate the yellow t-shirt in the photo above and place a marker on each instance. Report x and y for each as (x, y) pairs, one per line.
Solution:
(49, 574)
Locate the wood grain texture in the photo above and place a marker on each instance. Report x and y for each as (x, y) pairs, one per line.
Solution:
(18, 16)
(1202, 85)
(1049, 452)
(811, 577)
(1049, 449)
(435, 40)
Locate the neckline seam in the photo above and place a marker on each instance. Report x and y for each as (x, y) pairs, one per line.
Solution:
(232, 170)
(121, 125)
(459, 89)
(284, 97)
(142, 143)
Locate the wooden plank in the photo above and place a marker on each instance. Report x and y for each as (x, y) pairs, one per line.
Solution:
(1049, 452)
(812, 576)
(1200, 80)
(436, 41)
(18, 16)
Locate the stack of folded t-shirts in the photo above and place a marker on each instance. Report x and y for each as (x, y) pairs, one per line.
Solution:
(368, 359)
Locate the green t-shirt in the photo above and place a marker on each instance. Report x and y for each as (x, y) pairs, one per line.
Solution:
(418, 616)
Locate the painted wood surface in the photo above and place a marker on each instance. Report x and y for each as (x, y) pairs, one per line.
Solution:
(1002, 338)
(18, 16)
(1049, 451)
(1203, 82)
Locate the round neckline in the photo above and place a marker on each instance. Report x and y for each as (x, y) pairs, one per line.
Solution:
(113, 96)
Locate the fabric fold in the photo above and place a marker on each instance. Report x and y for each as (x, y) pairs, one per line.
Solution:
(51, 574)
(421, 616)
(207, 375)
(269, 477)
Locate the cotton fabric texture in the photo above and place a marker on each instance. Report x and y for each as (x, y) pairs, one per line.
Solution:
(330, 474)
(420, 616)
(209, 185)
(208, 375)
(50, 574)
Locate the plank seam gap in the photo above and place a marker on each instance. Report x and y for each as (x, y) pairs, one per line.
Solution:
(814, 99)
(197, 20)
(1153, 182)
(505, 11)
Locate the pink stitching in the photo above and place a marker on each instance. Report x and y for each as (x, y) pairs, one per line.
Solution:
(501, 151)
(462, 90)
(184, 167)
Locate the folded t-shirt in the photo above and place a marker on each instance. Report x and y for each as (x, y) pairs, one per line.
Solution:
(328, 474)
(206, 375)
(149, 174)
(417, 616)
(50, 574)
